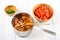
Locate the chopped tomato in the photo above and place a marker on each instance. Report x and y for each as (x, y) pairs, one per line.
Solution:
(43, 12)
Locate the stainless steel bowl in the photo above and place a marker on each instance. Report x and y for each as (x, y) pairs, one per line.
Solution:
(23, 33)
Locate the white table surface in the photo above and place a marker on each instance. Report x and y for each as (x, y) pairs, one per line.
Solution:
(6, 31)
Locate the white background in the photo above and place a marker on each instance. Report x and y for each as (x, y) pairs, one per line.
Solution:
(6, 31)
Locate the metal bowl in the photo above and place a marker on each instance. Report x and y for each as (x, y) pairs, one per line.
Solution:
(22, 33)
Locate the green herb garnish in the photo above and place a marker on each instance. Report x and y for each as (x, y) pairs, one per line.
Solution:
(10, 11)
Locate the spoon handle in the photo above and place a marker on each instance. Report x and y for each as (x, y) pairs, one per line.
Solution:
(50, 32)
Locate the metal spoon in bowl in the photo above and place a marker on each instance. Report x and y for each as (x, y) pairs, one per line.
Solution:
(46, 30)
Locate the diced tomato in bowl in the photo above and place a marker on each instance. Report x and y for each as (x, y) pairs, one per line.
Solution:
(43, 12)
